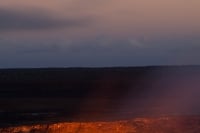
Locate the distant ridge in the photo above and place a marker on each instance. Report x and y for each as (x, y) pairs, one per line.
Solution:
(107, 67)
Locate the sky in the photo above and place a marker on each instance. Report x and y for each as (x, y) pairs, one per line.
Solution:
(99, 33)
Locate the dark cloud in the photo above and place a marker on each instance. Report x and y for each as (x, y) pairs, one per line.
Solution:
(15, 20)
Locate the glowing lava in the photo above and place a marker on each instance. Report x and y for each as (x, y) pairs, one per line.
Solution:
(139, 125)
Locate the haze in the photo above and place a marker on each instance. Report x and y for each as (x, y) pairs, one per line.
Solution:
(77, 33)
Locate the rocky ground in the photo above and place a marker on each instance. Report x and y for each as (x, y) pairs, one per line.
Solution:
(189, 124)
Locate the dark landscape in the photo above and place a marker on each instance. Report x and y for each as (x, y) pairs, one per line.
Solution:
(59, 95)
(99, 66)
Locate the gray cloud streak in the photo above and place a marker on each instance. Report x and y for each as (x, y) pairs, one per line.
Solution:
(16, 20)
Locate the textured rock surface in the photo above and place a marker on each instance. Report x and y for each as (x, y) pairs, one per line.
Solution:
(139, 125)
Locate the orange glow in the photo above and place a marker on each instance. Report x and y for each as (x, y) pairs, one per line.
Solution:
(139, 125)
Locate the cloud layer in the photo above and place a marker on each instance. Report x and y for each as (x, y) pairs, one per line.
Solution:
(16, 20)
(99, 33)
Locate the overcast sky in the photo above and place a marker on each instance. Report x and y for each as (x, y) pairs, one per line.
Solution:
(99, 33)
